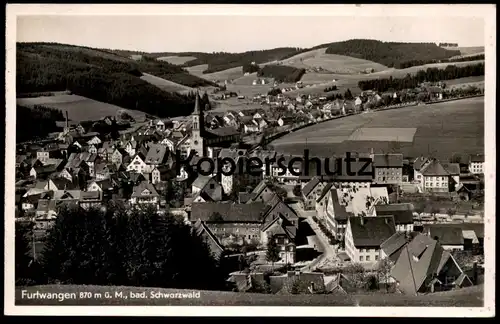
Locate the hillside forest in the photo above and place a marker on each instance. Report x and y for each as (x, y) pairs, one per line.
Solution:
(104, 77)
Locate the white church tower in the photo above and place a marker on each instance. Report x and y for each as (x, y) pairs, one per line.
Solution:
(197, 129)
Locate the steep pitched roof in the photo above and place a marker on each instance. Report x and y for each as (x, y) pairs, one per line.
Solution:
(476, 158)
(371, 231)
(388, 160)
(138, 190)
(156, 154)
(403, 213)
(417, 263)
(392, 246)
(215, 246)
(325, 190)
(231, 213)
(310, 186)
(452, 168)
(434, 169)
(447, 235)
(201, 181)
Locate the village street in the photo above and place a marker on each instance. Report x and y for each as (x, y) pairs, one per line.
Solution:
(321, 239)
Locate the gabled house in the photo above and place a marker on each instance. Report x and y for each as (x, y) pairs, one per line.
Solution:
(276, 207)
(283, 232)
(388, 168)
(162, 173)
(435, 176)
(117, 156)
(476, 163)
(402, 213)
(230, 223)
(92, 149)
(461, 236)
(102, 171)
(364, 236)
(59, 184)
(42, 172)
(285, 120)
(137, 165)
(157, 154)
(207, 185)
(261, 193)
(311, 191)
(130, 147)
(104, 186)
(424, 266)
(145, 194)
(90, 199)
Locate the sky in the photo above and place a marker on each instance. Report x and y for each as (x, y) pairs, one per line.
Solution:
(241, 33)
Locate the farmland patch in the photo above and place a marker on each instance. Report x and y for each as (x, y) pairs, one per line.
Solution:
(177, 60)
(383, 134)
(79, 108)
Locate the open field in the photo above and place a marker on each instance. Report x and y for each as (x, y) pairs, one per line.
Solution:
(477, 82)
(331, 62)
(165, 85)
(177, 60)
(197, 69)
(442, 129)
(473, 50)
(350, 81)
(466, 297)
(79, 108)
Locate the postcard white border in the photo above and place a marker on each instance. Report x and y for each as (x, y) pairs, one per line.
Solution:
(463, 10)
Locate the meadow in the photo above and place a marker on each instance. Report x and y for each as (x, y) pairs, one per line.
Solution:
(177, 60)
(165, 85)
(442, 130)
(466, 297)
(79, 108)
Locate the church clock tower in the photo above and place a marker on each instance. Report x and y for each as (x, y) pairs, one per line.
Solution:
(197, 129)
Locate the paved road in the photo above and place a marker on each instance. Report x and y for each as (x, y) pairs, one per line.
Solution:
(329, 252)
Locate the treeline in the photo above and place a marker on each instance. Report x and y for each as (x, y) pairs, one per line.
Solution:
(100, 79)
(448, 44)
(251, 68)
(332, 88)
(36, 122)
(390, 54)
(219, 61)
(282, 73)
(429, 75)
(119, 247)
(408, 64)
(99, 76)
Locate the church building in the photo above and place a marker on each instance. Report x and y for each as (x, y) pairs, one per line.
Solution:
(203, 140)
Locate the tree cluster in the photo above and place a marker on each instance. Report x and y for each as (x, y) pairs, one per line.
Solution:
(250, 68)
(430, 75)
(219, 61)
(103, 77)
(411, 63)
(40, 121)
(329, 89)
(274, 92)
(138, 247)
(390, 54)
(448, 45)
(282, 73)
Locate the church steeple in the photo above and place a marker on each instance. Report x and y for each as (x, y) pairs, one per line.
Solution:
(197, 104)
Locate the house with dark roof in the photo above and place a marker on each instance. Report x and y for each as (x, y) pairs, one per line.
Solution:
(90, 199)
(392, 247)
(145, 194)
(424, 266)
(297, 283)
(364, 235)
(388, 168)
(262, 193)
(311, 191)
(435, 176)
(162, 173)
(157, 155)
(476, 163)
(321, 201)
(276, 207)
(43, 172)
(402, 213)
(283, 232)
(449, 237)
(472, 235)
(230, 223)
